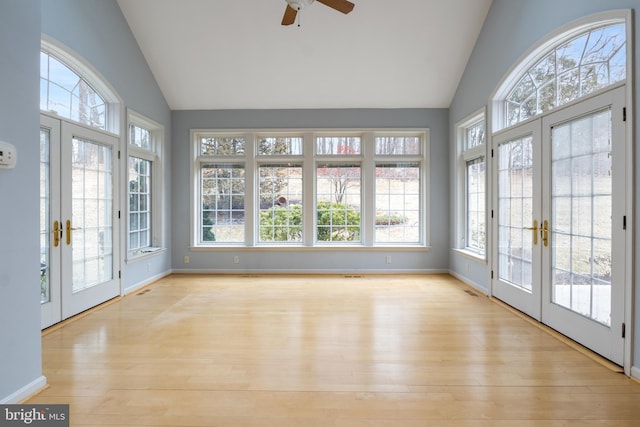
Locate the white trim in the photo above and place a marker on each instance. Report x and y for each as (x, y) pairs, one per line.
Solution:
(629, 274)
(469, 282)
(482, 258)
(25, 392)
(288, 271)
(302, 248)
(144, 254)
(149, 280)
(635, 372)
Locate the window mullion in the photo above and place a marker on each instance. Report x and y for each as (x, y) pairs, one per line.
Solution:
(309, 202)
(251, 185)
(368, 191)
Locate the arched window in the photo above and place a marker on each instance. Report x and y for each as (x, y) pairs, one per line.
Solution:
(565, 68)
(64, 92)
(72, 89)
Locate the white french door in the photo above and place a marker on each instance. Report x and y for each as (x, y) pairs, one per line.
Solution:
(517, 154)
(560, 239)
(78, 227)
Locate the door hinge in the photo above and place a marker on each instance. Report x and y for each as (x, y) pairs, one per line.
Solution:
(492, 274)
(118, 154)
(119, 274)
(118, 214)
(624, 222)
(624, 330)
(492, 153)
(624, 114)
(491, 213)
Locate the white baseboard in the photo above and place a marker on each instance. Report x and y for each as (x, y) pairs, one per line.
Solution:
(635, 372)
(146, 282)
(469, 282)
(28, 390)
(294, 271)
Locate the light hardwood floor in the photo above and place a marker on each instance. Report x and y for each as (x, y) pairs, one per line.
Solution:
(327, 351)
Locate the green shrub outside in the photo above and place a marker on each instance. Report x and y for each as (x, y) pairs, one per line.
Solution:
(281, 224)
(336, 222)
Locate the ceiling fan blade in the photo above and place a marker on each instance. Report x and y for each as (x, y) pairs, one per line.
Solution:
(289, 16)
(343, 6)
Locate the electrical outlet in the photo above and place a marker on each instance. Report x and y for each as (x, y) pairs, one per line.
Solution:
(388, 259)
(186, 259)
(236, 259)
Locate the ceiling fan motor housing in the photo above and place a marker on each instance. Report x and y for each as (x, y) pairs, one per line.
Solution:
(299, 4)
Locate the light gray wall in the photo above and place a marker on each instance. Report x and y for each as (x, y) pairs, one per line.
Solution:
(20, 349)
(300, 260)
(98, 32)
(510, 29)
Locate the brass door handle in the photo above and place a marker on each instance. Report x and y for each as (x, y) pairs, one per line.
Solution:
(69, 229)
(535, 231)
(544, 233)
(57, 233)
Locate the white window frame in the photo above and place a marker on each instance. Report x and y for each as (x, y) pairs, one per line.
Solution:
(309, 161)
(154, 155)
(92, 76)
(464, 156)
(539, 50)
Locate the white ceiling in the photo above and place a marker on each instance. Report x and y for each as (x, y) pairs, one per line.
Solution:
(234, 54)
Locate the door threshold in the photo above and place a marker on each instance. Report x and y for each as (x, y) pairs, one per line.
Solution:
(78, 316)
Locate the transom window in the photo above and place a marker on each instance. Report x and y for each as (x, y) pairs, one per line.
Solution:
(309, 188)
(280, 146)
(65, 93)
(573, 69)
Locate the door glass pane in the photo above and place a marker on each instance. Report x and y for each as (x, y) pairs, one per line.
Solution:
(45, 218)
(581, 216)
(515, 212)
(92, 190)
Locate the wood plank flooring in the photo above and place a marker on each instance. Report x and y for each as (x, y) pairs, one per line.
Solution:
(329, 351)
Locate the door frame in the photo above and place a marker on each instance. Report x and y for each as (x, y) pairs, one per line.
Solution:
(51, 311)
(68, 129)
(629, 201)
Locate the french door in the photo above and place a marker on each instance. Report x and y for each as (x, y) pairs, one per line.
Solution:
(560, 239)
(78, 224)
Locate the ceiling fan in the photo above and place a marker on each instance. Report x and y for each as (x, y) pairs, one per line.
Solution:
(294, 6)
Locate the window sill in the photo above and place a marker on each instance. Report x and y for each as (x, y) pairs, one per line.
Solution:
(145, 253)
(472, 255)
(297, 248)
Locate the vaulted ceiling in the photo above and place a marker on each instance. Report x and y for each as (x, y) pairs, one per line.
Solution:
(234, 54)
